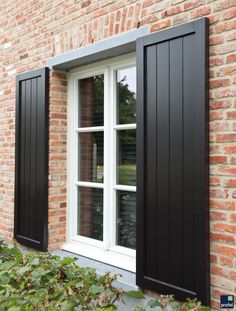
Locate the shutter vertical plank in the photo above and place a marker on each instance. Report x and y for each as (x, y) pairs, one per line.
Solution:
(172, 164)
(151, 155)
(27, 156)
(176, 163)
(22, 147)
(189, 159)
(162, 186)
(33, 158)
(31, 169)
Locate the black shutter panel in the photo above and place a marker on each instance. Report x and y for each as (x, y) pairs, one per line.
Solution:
(31, 177)
(172, 172)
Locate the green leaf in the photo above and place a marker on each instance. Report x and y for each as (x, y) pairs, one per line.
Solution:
(135, 294)
(35, 262)
(153, 303)
(67, 306)
(96, 289)
(5, 279)
(67, 261)
(79, 284)
(7, 265)
(14, 309)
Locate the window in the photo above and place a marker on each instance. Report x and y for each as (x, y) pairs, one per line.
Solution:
(102, 167)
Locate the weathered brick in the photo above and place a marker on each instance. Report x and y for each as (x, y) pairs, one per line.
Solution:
(224, 250)
(160, 25)
(225, 227)
(226, 137)
(218, 159)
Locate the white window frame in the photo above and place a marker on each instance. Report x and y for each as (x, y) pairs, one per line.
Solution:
(106, 250)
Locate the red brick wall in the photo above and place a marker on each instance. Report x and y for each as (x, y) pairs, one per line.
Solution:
(57, 159)
(32, 31)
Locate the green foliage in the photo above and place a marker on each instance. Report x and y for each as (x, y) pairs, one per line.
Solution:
(167, 302)
(135, 294)
(31, 281)
(126, 102)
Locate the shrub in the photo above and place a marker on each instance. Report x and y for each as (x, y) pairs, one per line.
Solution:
(31, 281)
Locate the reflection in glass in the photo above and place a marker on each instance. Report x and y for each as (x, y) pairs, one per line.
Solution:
(126, 95)
(91, 101)
(126, 157)
(126, 219)
(91, 157)
(90, 213)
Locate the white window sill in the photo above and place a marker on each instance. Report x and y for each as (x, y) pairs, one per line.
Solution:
(110, 257)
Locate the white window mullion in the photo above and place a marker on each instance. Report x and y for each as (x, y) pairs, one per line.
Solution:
(72, 157)
(125, 126)
(125, 188)
(113, 158)
(89, 184)
(107, 177)
(90, 129)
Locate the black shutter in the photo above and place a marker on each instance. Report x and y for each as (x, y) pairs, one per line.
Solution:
(172, 149)
(31, 177)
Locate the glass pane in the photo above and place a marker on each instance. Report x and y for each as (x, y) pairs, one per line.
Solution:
(126, 219)
(126, 157)
(91, 157)
(90, 213)
(126, 95)
(91, 101)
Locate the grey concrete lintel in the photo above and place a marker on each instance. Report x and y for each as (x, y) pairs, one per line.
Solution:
(104, 49)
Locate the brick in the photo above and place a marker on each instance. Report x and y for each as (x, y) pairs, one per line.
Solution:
(218, 193)
(216, 40)
(213, 258)
(221, 282)
(192, 4)
(230, 183)
(220, 271)
(233, 217)
(147, 3)
(85, 3)
(231, 115)
(220, 104)
(214, 149)
(226, 71)
(231, 13)
(225, 26)
(219, 83)
(217, 215)
(231, 58)
(224, 250)
(225, 227)
(213, 18)
(214, 181)
(171, 11)
(227, 261)
(201, 12)
(223, 205)
(222, 237)
(216, 115)
(160, 25)
(222, 5)
(230, 149)
(219, 126)
(218, 159)
(226, 137)
(227, 171)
